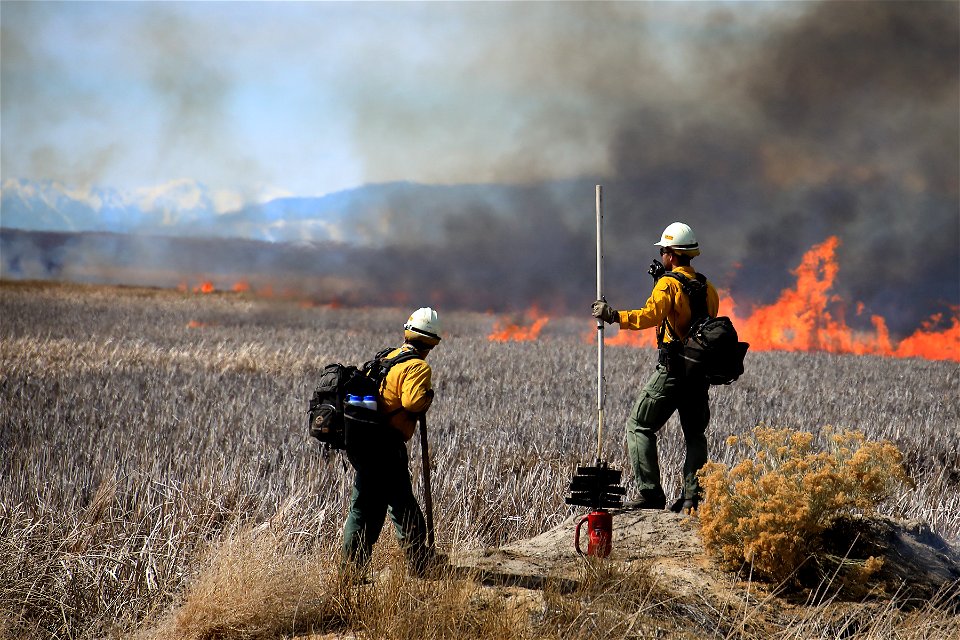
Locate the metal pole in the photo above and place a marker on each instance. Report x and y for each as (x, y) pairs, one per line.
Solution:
(425, 466)
(599, 323)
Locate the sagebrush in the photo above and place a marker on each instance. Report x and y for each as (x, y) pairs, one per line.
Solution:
(771, 509)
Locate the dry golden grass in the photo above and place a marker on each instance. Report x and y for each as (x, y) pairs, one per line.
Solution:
(255, 585)
(139, 452)
(250, 586)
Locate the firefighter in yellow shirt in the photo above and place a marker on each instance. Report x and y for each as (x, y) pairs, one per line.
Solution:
(382, 485)
(668, 390)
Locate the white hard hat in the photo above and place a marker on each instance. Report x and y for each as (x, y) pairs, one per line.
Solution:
(423, 325)
(679, 237)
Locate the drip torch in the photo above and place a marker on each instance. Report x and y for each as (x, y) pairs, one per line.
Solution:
(597, 487)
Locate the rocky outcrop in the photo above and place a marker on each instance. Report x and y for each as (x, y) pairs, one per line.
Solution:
(918, 565)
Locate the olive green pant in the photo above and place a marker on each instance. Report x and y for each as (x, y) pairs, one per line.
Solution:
(658, 399)
(382, 485)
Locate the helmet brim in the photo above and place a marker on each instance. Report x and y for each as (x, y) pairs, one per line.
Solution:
(691, 250)
(415, 333)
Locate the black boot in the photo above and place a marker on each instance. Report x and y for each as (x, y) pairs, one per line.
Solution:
(429, 563)
(649, 499)
(685, 505)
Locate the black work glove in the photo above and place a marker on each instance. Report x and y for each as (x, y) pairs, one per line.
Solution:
(656, 270)
(605, 312)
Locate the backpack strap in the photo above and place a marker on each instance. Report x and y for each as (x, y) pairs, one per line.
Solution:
(383, 364)
(380, 366)
(403, 356)
(696, 292)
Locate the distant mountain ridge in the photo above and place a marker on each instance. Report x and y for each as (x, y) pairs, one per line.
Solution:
(370, 215)
(179, 208)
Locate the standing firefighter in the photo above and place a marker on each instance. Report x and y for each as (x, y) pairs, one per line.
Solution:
(382, 484)
(669, 389)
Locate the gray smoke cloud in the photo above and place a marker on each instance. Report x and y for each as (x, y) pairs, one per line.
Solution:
(149, 114)
(184, 64)
(769, 131)
(40, 105)
(847, 127)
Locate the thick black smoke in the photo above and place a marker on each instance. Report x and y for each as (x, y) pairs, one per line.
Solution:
(846, 125)
(841, 121)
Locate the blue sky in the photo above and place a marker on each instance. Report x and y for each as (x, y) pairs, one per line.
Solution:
(310, 98)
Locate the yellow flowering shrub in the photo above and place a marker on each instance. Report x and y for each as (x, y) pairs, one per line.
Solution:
(771, 509)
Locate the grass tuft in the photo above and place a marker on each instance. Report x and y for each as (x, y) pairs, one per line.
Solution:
(253, 585)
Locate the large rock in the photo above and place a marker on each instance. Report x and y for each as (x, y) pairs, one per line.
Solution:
(918, 565)
(659, 537)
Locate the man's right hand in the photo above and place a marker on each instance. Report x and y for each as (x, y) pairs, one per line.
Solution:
(605, 312)
(656, 270)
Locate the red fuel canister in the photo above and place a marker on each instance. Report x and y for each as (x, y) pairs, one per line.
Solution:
(600, 533)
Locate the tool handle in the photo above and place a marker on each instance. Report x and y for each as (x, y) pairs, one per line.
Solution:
(425, 466)
(599, 323)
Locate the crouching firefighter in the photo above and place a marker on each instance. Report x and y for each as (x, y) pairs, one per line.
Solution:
(382, 482)
(668, 389)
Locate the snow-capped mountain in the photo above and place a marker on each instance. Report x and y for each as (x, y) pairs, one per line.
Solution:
(179, 208)
(369, 215)
(51, 206)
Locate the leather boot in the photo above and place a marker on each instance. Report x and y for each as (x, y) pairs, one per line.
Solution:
(685, 505)
(649, 499)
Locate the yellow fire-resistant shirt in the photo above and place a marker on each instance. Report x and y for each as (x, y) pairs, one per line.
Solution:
(668, 301)
(405, 392)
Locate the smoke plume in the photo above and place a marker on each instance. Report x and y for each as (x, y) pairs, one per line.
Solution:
(766, 134)
(842, 122)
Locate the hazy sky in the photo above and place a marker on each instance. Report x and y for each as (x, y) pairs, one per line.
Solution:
(768, 126)
(309, 98)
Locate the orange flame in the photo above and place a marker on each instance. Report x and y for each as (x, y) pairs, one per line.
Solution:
(808, 317)
(801, 320)
(195, 324)
(204, 287)
(241, 287)
(927, 342)
(507, 329)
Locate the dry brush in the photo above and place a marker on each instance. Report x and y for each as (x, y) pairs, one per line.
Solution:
(141, 429)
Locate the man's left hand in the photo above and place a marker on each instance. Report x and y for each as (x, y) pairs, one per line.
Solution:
(605, 312)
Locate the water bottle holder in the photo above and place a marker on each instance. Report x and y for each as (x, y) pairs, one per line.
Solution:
(358, 415)
(366, 436)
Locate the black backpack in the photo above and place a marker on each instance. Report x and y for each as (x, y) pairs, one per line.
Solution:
(328, 412)
(712, 350)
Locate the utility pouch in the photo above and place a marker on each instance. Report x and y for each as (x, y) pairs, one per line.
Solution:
(671, 356)
(363, 432)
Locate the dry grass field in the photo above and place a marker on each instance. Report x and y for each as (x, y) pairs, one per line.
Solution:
(156, 479)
